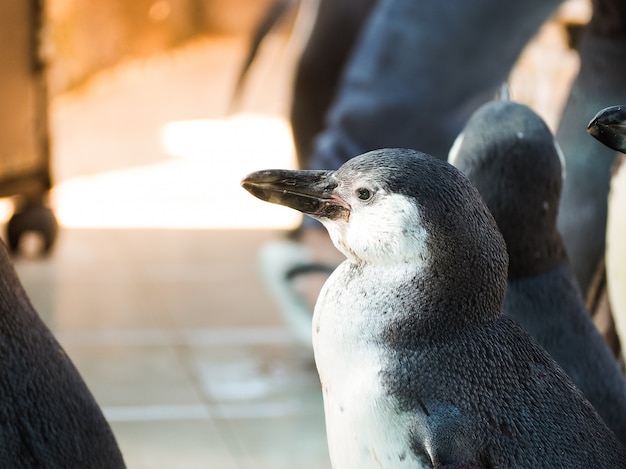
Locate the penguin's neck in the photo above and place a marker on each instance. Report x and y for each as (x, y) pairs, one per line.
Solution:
(394, 304)
(370, 281)
(359, 298)
(532, 252)
(361, 302)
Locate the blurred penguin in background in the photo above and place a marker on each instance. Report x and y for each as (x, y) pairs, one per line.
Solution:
(512, 158)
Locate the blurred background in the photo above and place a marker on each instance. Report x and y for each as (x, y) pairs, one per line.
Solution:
(123, 109)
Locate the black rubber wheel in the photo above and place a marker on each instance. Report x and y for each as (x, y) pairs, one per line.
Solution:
(32, 218)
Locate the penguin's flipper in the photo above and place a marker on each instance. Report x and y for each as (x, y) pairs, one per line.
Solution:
(609, 127)
(275, 13)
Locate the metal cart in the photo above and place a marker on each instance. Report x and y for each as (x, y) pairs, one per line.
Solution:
(24, 136)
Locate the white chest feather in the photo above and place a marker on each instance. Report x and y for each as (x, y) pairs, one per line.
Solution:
(364, 427)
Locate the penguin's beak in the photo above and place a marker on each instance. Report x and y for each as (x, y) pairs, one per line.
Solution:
(609, 126)
(310, 192)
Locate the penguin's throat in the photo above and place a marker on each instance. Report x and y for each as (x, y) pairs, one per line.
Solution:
(381, 250)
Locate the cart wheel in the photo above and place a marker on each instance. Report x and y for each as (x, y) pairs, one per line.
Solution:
(32, 218)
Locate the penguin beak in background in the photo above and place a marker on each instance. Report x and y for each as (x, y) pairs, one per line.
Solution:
(310, 192)
(609, 126)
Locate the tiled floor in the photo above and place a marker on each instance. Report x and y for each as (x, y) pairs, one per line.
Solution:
(182, 347)
(152, 287)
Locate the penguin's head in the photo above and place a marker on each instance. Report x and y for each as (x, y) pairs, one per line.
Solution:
(609, 126)
(510, 155)
(395, 206)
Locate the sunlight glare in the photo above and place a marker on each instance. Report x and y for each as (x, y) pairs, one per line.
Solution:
(199, 188)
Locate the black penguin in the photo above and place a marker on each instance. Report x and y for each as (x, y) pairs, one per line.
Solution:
(583, 209)
(509, 154)
(419, 368)
(609, 127)
(48, 416)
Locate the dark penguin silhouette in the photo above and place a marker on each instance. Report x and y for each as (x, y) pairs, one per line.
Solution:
(48, 417)
(419, 367)
(333, 34)
(509, 154)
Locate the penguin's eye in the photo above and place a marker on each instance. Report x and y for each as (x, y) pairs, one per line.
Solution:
(363, 193)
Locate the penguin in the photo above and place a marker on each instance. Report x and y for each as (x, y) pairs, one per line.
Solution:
(583, 208)
(48, 416)
(609, 127)
(510, 155)
(418, 365)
